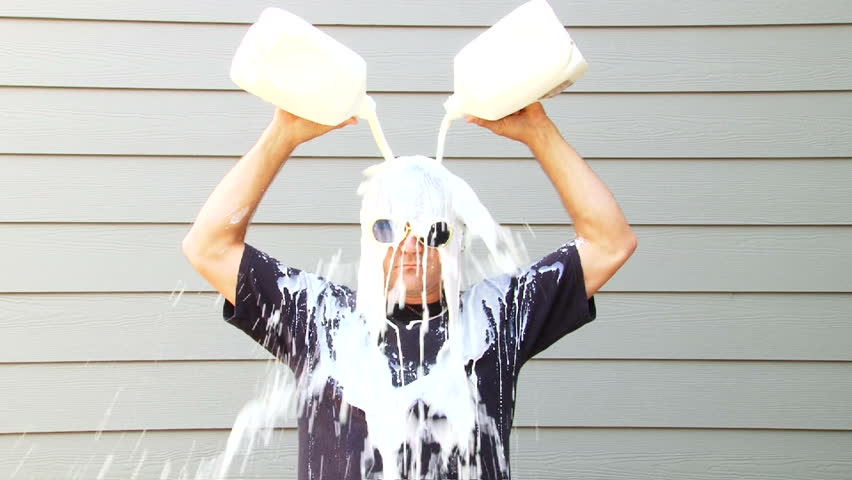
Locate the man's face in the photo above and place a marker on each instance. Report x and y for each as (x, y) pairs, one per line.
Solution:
(411, 263)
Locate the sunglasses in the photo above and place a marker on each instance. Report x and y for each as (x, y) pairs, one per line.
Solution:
(388, 232)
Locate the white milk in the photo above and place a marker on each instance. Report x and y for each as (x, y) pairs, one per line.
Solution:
(375, 127)
(523, 58)
(291, 64)
(421, 191)
(442, 137)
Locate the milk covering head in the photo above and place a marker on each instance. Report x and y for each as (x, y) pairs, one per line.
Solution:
(420, 192)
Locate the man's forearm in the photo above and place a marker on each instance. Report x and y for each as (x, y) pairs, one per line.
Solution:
(594, 210)
(224, 218)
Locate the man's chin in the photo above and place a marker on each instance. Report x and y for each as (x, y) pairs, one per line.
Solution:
(413, 290)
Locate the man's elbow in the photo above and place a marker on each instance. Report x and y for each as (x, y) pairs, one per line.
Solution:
(624, 248)
(191, 248)
(631, 242)
(204, 250)
(197, 249)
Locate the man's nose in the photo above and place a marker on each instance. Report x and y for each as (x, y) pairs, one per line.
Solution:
(409, 243)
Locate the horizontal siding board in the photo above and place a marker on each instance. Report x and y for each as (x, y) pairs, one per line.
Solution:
(159, 122)
(615, 454)
(115, 258)
(715, 326)
(138, 455)
(54, 53)
(665, 192)
(685, 394)
(604, 454)
(449, 12)
(588, 393)
(151, 327)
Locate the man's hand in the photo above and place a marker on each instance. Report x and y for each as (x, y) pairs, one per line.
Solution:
(530, 125)
(296, 130)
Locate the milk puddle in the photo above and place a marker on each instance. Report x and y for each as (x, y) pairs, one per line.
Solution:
(438, 400)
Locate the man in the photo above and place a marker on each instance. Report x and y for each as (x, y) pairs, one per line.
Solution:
(427, 390)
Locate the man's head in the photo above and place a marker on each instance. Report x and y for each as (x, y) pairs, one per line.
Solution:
(408, 222)
(416, 220)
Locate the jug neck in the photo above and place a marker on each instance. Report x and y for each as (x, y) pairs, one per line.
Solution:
(454, 106)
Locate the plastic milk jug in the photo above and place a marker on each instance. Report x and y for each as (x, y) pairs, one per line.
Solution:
(525, 57)
(292, 64)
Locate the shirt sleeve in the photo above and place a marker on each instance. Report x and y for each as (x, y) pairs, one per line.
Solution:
(550, 301)
(276, 305)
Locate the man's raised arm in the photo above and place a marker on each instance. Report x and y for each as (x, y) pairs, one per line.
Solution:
(608, 240)
(215, 243)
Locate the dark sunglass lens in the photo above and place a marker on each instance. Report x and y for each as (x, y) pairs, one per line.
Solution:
(439, 234)
(383, 231)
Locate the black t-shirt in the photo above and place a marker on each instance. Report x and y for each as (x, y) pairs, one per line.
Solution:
(286, 310)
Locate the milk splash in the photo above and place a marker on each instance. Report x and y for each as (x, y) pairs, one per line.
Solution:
(420, 191)
(417, 191)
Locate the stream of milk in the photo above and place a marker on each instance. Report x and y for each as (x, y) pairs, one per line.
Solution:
(379, 137)
(442, 137)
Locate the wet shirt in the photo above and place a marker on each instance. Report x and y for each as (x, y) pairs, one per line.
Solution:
(292, 314)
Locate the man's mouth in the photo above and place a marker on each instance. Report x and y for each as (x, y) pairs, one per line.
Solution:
(409, 265)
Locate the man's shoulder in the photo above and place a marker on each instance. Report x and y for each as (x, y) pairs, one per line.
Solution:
(295, 282)
(491, 287)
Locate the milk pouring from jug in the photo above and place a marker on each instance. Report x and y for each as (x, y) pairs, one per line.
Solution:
(523, 58)
(288, 62)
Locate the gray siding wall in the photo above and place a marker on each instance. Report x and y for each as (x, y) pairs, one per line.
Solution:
(722, 350)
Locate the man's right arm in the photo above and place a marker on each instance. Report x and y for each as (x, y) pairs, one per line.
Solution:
(215, 243)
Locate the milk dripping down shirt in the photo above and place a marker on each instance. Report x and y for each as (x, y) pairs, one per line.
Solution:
(525, 313)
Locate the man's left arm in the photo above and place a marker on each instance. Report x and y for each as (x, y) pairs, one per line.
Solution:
(605, 239)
